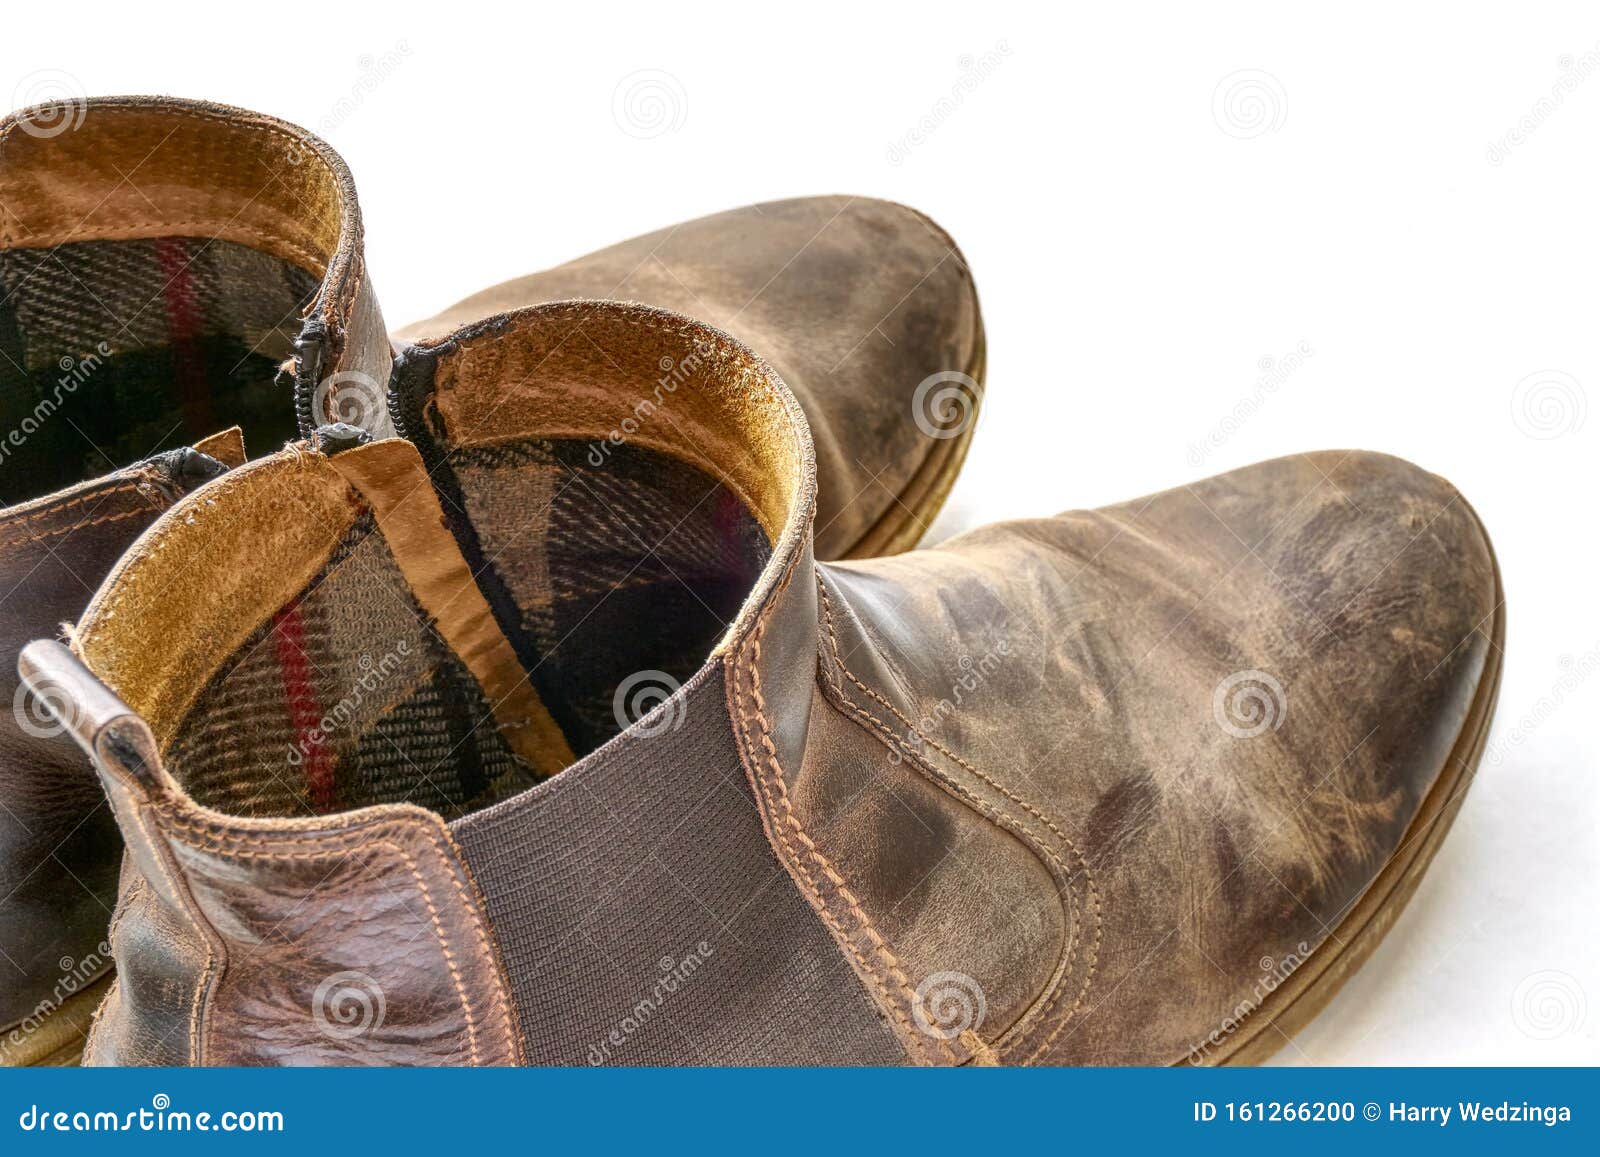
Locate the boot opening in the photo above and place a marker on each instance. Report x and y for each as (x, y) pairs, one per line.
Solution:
(604, 566)
(156, 262)
(612, 585)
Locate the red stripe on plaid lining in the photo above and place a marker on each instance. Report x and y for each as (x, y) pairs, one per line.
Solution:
(289, 638)
(184, 324)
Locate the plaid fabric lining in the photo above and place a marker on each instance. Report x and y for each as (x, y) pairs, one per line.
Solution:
(138, 346)
(348, 697)
(636, 565)
(344, 698)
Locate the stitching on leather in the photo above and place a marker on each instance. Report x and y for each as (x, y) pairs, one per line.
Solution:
(466, 887)
(446, 378)
(841, 701)
(133, 230)
(886, 1000)
(780, 790)
(125, 902)
(1088, 874)
(181, 113)
(179, 825)
(488, 961)
(216, 844)
(444, 947)
(82, 501)
(102, 520)
(345, 292)
(185, 899)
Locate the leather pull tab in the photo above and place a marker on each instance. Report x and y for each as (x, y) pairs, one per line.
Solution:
(390, 475)
(112, 734)
(226, 446)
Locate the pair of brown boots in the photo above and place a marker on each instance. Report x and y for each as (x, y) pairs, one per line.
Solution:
(511, 714)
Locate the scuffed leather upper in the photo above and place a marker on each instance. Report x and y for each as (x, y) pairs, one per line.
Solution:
(856, 303)
(1204, 720)
(1059, 791)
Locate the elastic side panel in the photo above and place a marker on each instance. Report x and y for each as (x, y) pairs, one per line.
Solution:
(643, 918)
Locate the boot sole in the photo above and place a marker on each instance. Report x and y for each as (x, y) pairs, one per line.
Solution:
(1293, 1004)
(58, 1040)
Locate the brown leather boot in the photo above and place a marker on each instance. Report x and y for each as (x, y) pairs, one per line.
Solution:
(531, 746)
(159, 260)
(865, 308)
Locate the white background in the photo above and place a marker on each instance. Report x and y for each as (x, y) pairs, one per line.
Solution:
(1141, 243)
